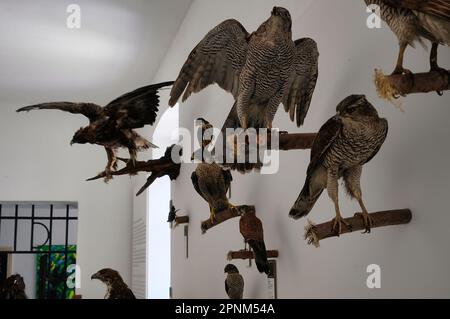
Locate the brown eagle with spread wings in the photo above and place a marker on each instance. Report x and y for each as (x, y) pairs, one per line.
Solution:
(112, 126)
(262, 69)
(415, 20)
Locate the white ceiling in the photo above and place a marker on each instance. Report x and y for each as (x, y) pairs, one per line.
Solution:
(119, 47)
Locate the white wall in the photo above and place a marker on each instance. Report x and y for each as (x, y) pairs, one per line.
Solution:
(410, 171)
(117, 49)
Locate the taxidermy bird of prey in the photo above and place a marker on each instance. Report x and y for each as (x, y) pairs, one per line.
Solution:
(13, 288)
(415, 20)
(261, 70)
(212, 183)
(117, 289)
(112, 126)
(343, 145)
(251, 229)
(234, 283)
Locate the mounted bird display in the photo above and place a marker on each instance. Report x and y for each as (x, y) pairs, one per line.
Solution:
(261, 70)
(212, 183)
(13, 288)
(234, 283)
(113, 126)
(343, 145)
(251, 229)
(116, 287)
(413, 21)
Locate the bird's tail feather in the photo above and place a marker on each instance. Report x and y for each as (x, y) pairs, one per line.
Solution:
(259, 248)
(305, 201)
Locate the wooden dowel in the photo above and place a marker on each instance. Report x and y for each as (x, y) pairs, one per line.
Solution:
(315, 233)
(223, 216)
(247, 254)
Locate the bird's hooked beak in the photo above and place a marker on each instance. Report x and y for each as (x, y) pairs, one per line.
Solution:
(94, 276)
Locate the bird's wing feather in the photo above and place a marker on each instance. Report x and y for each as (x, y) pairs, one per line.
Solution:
(218, 58)
(439, 8)
(194, 179)
(379, 146)
(325, 137)
(228, 178)
(137, 108)
(90, 110)
(302, 81)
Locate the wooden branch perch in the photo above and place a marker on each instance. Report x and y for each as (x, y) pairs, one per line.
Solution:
(223, 216)
(247, 254)
(315, 233)
(392, 86)
(157, 168)
(181, 220)
(295, 141)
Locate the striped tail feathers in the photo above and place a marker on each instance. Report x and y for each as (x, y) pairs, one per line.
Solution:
(259, 248)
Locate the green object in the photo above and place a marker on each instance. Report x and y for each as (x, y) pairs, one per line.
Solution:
(52, 281)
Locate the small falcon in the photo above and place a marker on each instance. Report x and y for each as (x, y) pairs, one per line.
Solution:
(261, 70)
(251, 229)
(212, 183)
(117, 289)
(13, 288)
(234, 283)
(342, 146)
(113, 126)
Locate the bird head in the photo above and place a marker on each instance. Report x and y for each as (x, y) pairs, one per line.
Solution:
(231, 269)
(14, 284)
(81, 136)
(279, 22)
(205, 133)
(107, 276)
(356, 107)
(246, 210)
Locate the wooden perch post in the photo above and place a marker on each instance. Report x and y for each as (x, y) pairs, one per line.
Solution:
(157, 168)
(223, 216)
(247, 254)
(392, 86)
(181, 220)
(315, 233)
(296, 141)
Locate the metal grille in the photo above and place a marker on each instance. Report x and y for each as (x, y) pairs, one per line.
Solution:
(26, 213)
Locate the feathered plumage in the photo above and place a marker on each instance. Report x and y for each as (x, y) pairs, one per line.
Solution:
(261, 70)
(13, 288)
(414, 20)
(343, 145)
(117, 288)
(234, 283)
(251, 229)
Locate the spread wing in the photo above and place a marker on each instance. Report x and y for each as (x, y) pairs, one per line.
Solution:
(137, 108)
(325, 137)
(90, 110)
(439, 8)
(218, 58)
(303, 80)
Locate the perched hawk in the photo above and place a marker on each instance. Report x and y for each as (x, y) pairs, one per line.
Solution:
(112, 126)
(415, 20)
(13, 288)
(117, 289)
(261, 70)
(251, 229)
(234, 283)
(343, 145)
(212, 183)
